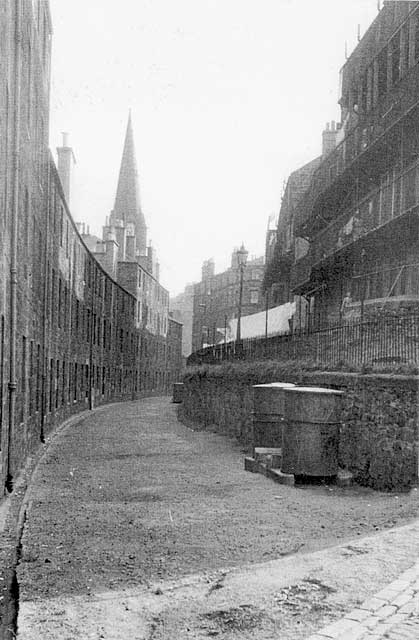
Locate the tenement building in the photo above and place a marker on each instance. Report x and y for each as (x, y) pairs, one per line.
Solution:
(356, 224)
(74, 331)
(217, 297)
(181, 307)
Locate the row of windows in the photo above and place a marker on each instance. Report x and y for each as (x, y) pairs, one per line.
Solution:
(389, 67)
(71, 382)
(230, 297)
(66, 308)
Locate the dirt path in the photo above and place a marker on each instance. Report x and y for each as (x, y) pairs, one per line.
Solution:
(134, 518)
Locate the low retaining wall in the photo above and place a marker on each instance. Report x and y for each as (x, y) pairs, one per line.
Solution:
(379, 433)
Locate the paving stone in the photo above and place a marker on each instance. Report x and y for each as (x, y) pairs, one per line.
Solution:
(388, 594)
(408, 630)
(382, 627)
(386, 611)
(337, 629)
(353, 634)
(372, 604)
(371, 622)
(358, 614)
(400, 584)
(397, 618)
(402, 599)
(410, 607)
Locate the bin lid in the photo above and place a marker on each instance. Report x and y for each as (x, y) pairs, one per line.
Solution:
(278, 385)
(315, 390)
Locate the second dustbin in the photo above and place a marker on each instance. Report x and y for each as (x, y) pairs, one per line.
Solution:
(311, 431)
(268, 413)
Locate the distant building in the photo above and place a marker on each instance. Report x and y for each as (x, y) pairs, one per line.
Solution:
(123, 251)
(281, 243)
(181, 308)
(216, 298)
(175, 359)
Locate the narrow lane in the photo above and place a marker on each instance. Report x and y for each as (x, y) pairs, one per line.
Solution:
(129, 499)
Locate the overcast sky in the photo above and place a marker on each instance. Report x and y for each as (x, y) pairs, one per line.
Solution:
(227, 97)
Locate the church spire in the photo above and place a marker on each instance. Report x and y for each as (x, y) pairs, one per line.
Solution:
(127, 205)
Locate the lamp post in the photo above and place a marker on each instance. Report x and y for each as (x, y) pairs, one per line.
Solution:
(363, 282)
(241, 259)
(363, 295)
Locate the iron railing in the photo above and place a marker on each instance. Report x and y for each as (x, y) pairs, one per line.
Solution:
(385, 339)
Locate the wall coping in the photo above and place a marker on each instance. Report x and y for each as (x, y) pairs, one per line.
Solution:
(348, 376)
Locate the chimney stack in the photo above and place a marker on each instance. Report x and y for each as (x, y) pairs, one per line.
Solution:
(329, 138)
(66, 162)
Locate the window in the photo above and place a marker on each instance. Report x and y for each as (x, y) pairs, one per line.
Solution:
(60, 287)
(27, 214)
(416, 37)
(395, 58)
(38, 378)
(51, 384)
(75, 382)
(382, 73)
(254, 297)
(57, 384)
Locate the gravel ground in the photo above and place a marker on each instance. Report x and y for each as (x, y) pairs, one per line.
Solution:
(130, 498)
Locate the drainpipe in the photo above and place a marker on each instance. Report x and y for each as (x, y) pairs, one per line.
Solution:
(13, 249)
(91, 339)
(45, 350)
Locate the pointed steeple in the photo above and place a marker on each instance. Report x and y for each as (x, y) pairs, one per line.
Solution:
(127, 205)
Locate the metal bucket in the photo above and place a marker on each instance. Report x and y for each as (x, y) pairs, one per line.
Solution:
(311, 431)
(178, 389)
(268, 413)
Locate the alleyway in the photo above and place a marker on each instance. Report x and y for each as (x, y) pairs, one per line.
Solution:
(141, 528)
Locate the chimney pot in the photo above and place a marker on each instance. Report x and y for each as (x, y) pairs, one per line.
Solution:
(65, 139)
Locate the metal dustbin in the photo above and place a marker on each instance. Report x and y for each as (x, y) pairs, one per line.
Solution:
(311, 431)
(178, 389)
(268, 413)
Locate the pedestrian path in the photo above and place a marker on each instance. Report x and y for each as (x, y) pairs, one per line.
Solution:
(392, 613)
(138, 527)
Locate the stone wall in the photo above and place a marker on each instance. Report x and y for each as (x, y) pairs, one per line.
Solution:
(379, 433)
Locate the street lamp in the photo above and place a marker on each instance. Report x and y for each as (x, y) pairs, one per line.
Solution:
(241, 259)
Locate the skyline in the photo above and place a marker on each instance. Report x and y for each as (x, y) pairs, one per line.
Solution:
(217, 129)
